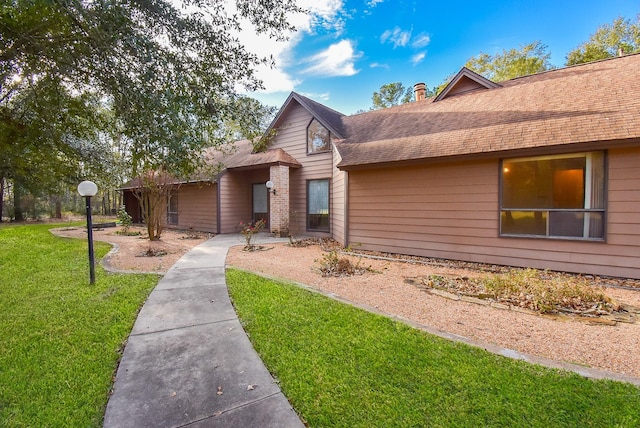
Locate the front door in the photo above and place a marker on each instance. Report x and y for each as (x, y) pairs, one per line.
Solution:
(260, 203)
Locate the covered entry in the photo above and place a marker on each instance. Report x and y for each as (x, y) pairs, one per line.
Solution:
(260, 203)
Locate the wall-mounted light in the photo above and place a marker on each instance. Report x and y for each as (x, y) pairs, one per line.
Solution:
(270, 187)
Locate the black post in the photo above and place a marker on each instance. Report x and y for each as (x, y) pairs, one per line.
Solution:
(92, 272)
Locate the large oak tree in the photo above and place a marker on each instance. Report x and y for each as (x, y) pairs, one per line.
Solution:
(165, 74)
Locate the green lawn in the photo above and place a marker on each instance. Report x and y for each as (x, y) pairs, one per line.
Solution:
(344, 367)
(60, 338)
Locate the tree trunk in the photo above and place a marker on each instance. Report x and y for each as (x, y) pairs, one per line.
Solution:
(18, 215)
(153, 196)
(58, 207)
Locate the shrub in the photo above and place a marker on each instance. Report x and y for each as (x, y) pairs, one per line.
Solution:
(124, 218)
(334, 265)
(248, 230)
(545, 293)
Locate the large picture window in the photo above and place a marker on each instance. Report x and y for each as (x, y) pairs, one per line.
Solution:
(554, 196)
(318, 205)
(318, 138)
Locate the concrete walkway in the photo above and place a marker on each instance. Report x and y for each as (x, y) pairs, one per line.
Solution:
(188, 362)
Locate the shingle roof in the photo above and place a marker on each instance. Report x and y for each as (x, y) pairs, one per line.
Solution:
(239, 155)
(242, 156)
(598, 101)
(329, 118)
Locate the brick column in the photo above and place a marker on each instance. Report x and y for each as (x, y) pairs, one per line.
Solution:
(279, 203)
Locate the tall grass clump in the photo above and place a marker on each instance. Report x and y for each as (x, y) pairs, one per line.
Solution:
(543, 292)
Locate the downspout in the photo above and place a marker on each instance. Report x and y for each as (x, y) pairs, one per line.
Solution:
(346, 209)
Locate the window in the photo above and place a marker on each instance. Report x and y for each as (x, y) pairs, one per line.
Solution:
(554, 196)
(318, 205)
(318, 138)
(172, 210)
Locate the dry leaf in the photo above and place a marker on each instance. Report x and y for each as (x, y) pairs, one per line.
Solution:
(250, 387)
(173, 394)
(219, 391)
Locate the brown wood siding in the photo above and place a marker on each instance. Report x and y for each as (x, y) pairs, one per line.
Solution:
(464, 85)
(235, 202)
(338, 204)
(132, 206)
(197, 207)
(623, 225)
(235, 197)
(292, 138)
(452, 211)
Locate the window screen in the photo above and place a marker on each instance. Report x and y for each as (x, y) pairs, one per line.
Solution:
(554, 196)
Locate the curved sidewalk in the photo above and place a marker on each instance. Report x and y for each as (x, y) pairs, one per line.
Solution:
(188, 361)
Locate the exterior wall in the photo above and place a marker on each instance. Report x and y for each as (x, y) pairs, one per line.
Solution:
(197, 207)
(132, 206)
(279, 201)
(292, 137)
(338, 201)
(235, 197)
(452, 211)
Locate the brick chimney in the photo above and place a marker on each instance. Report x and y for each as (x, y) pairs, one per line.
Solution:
(420, 91)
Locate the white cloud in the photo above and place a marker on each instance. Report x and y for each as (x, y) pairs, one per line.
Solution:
(396, 36)
(326, 14)
(417, 58)
(373, 3)
(337, 60)
(379, 65)
(316, 96)
(276, 80)
(421, 41)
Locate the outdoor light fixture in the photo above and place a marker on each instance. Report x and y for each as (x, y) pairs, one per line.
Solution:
(89, 189)
(270, 187)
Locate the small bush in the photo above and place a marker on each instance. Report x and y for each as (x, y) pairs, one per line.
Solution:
(334, 265)
(125, 219)
(248, 230)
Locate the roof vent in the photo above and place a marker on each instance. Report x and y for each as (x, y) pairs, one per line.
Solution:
(420, 91)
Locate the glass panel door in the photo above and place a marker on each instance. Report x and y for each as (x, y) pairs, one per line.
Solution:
(260, 203)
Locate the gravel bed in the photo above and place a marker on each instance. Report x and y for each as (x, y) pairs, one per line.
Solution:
(609, 347)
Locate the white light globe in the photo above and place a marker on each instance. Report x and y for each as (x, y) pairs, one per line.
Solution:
(87, 188)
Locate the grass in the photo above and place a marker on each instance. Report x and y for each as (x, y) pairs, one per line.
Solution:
(60, 337)
(344, 367)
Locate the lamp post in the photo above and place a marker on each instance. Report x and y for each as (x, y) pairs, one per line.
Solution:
(89, 189)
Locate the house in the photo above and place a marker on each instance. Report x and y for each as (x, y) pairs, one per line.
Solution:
(539, 171)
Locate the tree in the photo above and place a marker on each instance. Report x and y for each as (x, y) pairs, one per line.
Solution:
(390, 95)
(45, 134)
(621, 36)
(529, 59)
(167, 74)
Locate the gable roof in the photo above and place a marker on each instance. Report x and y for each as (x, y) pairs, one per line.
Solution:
(466, 80)
(243, 156)
(595, 102)
(329, 118)
(239, 156)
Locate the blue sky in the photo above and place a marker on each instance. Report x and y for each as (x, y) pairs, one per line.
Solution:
(347, 49)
